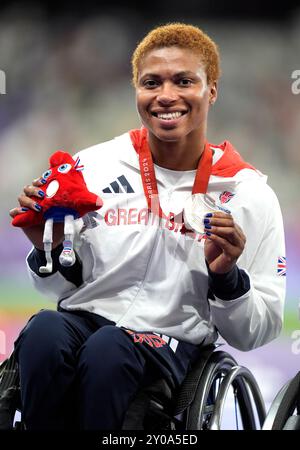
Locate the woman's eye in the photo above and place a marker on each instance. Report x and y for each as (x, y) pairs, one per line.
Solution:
(64, 168)
(185, 82)
(150, 83)
(47, 173)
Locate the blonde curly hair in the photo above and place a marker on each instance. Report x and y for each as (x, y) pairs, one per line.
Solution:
(179, 35)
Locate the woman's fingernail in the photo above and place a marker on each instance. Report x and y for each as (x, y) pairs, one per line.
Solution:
(208, 227)
(42, 180)
(208, 215)
(24, 209)
(41, 194)
(38, 207)
(207, 233)
(206, 221)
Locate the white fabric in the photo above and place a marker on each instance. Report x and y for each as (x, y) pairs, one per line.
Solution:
(150, 277)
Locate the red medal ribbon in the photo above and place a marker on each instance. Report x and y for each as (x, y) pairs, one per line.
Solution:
(149, 178)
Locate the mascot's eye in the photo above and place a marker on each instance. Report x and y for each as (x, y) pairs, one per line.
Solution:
(64, 168)
(47, 174)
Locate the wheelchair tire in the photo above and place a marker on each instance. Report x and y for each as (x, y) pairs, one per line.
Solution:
(9, 393)
(287, 402)
(202, 409)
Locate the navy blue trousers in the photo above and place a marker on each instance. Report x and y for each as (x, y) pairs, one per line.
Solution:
(79, 371)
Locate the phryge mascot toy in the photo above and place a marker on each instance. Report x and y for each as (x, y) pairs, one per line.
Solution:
(66, 198)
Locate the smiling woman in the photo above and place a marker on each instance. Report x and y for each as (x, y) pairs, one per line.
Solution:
(173, 100)
(144, 266)
(175, 72)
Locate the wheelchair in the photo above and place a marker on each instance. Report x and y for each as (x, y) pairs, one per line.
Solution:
(197, 405)
(284, 412)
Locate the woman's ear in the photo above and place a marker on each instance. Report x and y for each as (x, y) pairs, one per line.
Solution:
(213, 94)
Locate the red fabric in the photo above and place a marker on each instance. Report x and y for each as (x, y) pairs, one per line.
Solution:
(228, 165)
(72, 192)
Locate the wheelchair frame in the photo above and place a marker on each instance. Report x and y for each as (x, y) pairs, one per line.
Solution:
(287, 402)
(197, 405)
(10, 398)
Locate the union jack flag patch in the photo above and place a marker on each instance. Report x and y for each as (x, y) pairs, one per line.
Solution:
(281, 266)
(225, 196)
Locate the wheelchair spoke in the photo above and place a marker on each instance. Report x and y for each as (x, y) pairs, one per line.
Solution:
(221, 377)
(236, 408)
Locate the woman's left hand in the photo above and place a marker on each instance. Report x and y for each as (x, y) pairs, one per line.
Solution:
(224, 244)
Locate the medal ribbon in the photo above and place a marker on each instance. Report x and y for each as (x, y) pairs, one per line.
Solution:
(149, 178)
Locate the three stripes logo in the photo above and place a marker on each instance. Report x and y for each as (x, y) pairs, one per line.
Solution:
(120, 186)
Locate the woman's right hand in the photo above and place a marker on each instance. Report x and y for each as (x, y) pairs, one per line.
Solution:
(29, 200)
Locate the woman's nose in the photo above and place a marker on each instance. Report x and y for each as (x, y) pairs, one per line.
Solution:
(167, 94)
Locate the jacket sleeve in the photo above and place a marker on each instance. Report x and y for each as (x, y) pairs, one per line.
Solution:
(255, 317)
(61, 282)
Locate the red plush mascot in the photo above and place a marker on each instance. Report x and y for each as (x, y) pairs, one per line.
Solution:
(66, 198)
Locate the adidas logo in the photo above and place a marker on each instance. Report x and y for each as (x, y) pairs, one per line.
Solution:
(120, 186)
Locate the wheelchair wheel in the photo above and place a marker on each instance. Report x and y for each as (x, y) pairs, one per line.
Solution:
(9, 393)
(219, 374)
(284, 413)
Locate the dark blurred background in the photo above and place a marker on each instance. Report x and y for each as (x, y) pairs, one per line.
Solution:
(159, 9)
(68, 86)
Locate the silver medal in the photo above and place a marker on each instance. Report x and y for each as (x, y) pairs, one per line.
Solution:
(196, 206)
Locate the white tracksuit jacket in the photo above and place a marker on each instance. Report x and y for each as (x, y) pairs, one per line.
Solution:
(150, 277)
